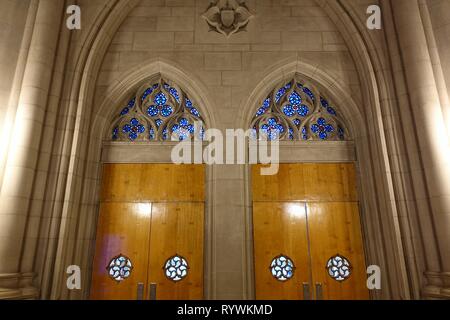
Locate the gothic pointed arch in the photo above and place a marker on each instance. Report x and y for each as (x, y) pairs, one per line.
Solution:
(159, 110)
(298, 110)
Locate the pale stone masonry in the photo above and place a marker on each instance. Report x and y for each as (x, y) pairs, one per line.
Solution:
(60, 89)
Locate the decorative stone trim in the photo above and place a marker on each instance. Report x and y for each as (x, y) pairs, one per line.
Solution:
(227, 16)
(16, 286)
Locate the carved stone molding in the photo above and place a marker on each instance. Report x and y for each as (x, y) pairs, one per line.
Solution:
(17, 286)
(227, 16)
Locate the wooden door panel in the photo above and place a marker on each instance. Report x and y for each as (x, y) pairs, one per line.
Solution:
(153, 182)
(335, 229)
(280, 229)
(177, 229)
(306, 182)
(123, 229)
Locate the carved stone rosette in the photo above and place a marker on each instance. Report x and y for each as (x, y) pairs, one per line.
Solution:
(227, 16)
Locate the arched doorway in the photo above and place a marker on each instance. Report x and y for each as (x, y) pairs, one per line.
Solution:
(150, 232)
(306, 218)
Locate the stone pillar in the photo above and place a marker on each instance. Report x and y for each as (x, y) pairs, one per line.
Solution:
(439, 20)
(25, 142)
(431, 132)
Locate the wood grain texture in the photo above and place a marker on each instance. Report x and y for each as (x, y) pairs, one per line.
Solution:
(306, 182)
(177, 229)
(132, 224)
(280, 229)
(153, 182)
(123, 228)
(331, 227)
(334, 228)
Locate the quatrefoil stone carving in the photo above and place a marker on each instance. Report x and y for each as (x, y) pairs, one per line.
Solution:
(227, 16)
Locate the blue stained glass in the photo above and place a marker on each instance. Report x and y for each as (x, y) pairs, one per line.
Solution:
(183, 130)
(160, 99)
(324, 102)
(265, 106)
(331, 111)
(189, 103)
(115, 133)
(291, 134)
(152, 134)
(282, 92)
(303, 111)
(304, 133)
(307, 91)
(297, 122)
(341, 133)
(133, 129)
(272, 130)
(147, 92)
(282, 268)
(120, 268)
(125, 111)
(166, 111)
(289, 111)
(129, 106)
(176, 268)
(195, 112)
(322, 129)
(175, 94)
(295, 99)
(158, 122)
(165, 134)
(309, 94)
(201, 135)
(152, 111)
(131, 103)
(260, 112)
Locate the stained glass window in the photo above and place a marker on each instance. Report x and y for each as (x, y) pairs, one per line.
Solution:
(297, 110)
(159, 111)
(282, 268)
(119, 268)
(176, 268)
(339, 268)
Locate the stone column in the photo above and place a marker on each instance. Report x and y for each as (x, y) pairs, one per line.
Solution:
(431, 131)
(25, 142)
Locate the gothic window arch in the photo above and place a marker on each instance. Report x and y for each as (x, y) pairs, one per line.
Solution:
(298, 111)
(158, 111)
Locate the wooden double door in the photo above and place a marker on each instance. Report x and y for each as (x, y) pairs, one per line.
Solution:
(149, 241)
(307, 233)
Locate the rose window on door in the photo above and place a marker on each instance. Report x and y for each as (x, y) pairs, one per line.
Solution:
(282, 268)
(339, 268)
(120, 268)
(176, 268)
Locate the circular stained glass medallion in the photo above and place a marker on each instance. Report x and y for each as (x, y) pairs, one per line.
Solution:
(339, 268)
(176, 268)
(282, 268)
(120, 268)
